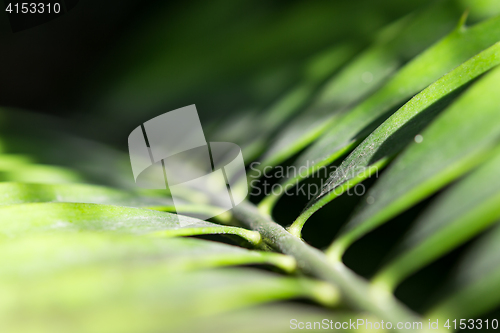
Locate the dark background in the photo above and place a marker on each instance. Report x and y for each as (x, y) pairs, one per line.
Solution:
(221, 55)
(42, 68)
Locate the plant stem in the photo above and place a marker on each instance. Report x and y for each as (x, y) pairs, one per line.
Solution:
(296, 228)
(356, 292)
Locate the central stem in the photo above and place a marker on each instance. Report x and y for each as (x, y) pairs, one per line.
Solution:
(356, 291)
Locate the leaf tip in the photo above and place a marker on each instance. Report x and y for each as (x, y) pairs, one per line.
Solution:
(463, 19)
(326, 294)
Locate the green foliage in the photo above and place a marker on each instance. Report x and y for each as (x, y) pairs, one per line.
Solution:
(407, 181)
(401, 128)
(475, 282)
(461, 212)
(86, 251)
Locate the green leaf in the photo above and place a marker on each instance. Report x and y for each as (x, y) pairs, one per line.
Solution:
(10, 161)
(42, 254)
(347, 129)
(399, 130)
(16, 193)
(459, 214)
(271, 318)
(253, 134)
(427, 166)
(80, 258)
(366, 72)
(481, 9)
(53, 217)
(147, 294)
(48, 151)
(456, 48)
(475, 286)
(20, 168)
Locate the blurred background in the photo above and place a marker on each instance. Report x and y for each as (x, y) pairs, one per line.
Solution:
(125, 61)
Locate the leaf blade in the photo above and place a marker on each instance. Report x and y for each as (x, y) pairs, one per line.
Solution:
(352, 126)
(447, 157)
(460, 213)
(476, 284)
(399, 129)
(54, 217)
